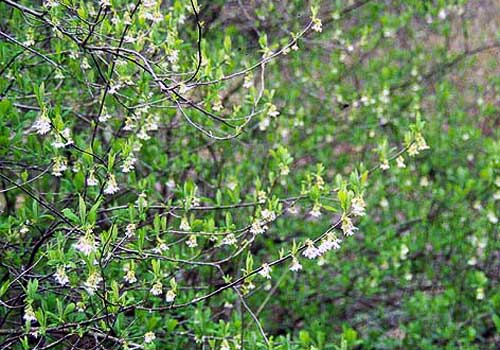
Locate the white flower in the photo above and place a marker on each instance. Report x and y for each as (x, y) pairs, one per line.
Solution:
(284, 170)
(29, 314)
(85, 63)
(472, 261)
(111, 186)
(317, 26)
(128, 164)
(384, 165)
(142, 200)
(195, 202)
(143, 134)
(358, 206)
(113, 89)
(149, 337)
(265, 271)
(264, 124)
(296, 266)
(424, 181)
(329, 242)
(229, 239)
(248, 83)
(184, 226)
(104, 117)
(315, 211)
(268, 215)
(61, 276)
(191, 242)
(66, 134)
(492, 217)
(160, 248)
(170, 296)
(311, 252)
(170, 184)
(420, 142)
(261, 197)
(130, 277)
(404, 252)
(225, 345)
(496, 195)
(92, 282)
(400, 161)
(442, 14)
(272, 111)
(50, 3)
(60, 165)
(86, 244)
(480, 293)
(130, 230)
(129, 124)
(173, 57)
(347, 226)
(157, 288)
(477, 205)
(258, 227)
(24, 229)
(217, 106)
(91, 179)
(413, 150)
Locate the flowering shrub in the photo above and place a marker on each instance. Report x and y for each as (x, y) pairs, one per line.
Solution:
(233, 175)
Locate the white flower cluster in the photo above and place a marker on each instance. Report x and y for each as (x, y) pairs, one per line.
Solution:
(129, 163)
(358, 206)
(192, 242)
(91, 179)
(86, 244)
(229, 239)
(417, 146)
(61, 276)
(42, 124)
(149, 337)
(265, 271)
(60, 165)
(347, 226)
(63, 139)
(157, 288)
(184, 226)
(295, 266)
(92, 283)
(329, 242)
(259, 226)
(29, 314)
(111, 185)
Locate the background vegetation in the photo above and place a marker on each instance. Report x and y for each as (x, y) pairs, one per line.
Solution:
(195, 175)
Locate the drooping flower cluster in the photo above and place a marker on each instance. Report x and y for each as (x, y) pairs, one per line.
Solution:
(60, 165)
(111, 185)
(265, 271)
(311, 252)
(358, 206)
(29, 314)
(92, 282)
(347, 226)
(170, 296)
(157, 288)
(61, 276)
(42, 125)
(86, 244)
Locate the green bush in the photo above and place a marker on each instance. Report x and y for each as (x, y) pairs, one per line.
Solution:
(249, 174)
